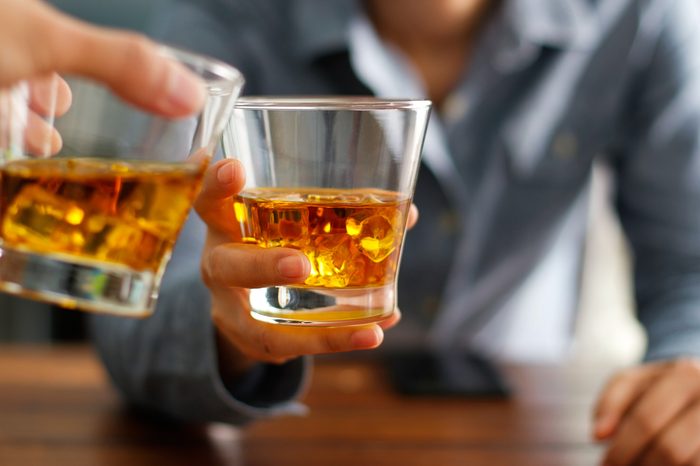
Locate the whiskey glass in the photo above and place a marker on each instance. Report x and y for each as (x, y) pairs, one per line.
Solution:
(92, 201)
(333, 177)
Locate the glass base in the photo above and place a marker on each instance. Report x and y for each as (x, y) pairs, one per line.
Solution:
(323, 307)
(77, 284)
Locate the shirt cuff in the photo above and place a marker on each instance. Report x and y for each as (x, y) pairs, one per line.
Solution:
(265, 389)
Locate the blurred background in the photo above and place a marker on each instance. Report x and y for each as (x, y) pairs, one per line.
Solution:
(606, 329)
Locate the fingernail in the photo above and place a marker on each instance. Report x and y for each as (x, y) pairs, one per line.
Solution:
(602, 427)
(226, 173)
(186, 91)
(367, 338)
(292, 267)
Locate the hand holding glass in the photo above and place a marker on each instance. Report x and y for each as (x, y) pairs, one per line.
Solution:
(334, 178)
(93, 226)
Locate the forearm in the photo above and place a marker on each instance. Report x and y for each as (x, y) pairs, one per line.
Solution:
(170, 363)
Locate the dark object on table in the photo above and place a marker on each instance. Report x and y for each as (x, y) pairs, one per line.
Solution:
(427, 373)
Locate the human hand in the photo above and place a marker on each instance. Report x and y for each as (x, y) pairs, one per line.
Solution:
(651, 415)
(37, 40)
(230, 268)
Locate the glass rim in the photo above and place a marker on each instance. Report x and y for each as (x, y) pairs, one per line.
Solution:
(328, 103)
(224, 72)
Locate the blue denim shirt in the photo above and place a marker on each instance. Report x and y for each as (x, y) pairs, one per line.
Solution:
(552, 86)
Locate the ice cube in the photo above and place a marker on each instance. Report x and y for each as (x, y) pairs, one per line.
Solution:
(376, 238)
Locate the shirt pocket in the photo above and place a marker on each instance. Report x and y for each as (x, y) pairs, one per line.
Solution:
(552, 157)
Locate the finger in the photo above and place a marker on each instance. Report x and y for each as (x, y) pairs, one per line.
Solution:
(249, 266)
(278, 343)
(41, 138)
(658, 406)
(281, 343)
(49, 96)
(130, 64)
(619, 395)
(214, 204)
(391, 321)
(412, 216)
(679, 444)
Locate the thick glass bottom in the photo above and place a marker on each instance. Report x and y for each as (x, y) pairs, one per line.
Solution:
(288, 305)
(77, 284)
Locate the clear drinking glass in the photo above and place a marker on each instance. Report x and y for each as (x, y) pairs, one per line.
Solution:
(91, 202)
(334, 178)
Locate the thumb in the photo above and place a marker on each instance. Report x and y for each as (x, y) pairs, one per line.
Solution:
(619, 395)
(214, 204)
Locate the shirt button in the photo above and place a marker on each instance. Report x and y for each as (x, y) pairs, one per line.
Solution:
(565, 145)
(454, 107)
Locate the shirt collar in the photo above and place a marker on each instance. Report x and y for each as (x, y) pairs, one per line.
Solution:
(321, 28)
(553, 23)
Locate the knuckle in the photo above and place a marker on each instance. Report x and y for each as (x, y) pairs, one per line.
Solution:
(620, 377)
(210, 267)
(687, 368)
(138, 56)
(611, 391)
(138, 49)
(330, 343)
(616, 381)
(646, 425)
(49, 48)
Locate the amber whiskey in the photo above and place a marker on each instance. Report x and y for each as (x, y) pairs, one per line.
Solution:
(127, 213)
(351, 237)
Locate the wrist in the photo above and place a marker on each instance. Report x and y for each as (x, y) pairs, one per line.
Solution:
(232, 363)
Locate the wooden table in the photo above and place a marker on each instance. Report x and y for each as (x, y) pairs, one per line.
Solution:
(56, 408)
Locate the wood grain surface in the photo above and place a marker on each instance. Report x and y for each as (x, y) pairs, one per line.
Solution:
(57, 408)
